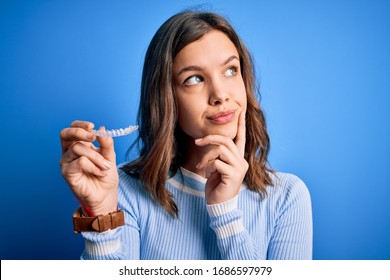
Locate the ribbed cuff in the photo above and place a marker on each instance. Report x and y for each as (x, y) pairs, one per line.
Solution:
(220, 209)
(230, 229)
(101, 249)
(99, 244)
(226, 218)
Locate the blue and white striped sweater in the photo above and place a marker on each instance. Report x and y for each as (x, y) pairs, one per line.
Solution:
(278, 226)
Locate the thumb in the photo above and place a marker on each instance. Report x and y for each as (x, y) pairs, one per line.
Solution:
(107, 147)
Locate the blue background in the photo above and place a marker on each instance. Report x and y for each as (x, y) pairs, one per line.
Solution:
(323, 67)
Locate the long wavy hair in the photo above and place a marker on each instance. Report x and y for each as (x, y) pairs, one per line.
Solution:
(160, 139)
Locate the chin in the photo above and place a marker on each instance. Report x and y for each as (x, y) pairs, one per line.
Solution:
(224, 131)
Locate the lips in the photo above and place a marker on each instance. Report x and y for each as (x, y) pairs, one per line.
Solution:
(222, 117)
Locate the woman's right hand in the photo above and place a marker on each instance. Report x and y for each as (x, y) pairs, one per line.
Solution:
(90, 171)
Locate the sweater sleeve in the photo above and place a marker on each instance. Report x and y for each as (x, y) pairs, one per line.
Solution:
(292, 236)
(234, 241)
(120, 243)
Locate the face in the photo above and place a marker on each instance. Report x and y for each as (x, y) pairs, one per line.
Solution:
(209, 88)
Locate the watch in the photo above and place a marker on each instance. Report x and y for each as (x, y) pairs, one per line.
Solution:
(98, 223)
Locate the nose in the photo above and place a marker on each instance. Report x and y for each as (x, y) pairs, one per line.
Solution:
(218, 93)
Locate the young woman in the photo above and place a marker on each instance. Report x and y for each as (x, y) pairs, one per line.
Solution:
(201, 188)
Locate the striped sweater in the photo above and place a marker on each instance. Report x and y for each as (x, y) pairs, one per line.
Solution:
(278, 226)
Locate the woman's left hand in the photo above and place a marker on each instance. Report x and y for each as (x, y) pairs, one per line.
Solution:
(224, 164)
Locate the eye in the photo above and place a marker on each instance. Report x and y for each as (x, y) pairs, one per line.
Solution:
(232, 71)
(193, 80)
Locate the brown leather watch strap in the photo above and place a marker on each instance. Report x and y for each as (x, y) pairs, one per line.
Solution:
(99, 223)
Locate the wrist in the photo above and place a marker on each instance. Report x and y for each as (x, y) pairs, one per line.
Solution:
(108, 205)
(99, 223)
(86, 212)
(89, 211)
(104, 210)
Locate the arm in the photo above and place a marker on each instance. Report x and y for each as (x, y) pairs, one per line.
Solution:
(293, 231)
(124, 242)
(292, 234)
(92, 176)
(234, 241)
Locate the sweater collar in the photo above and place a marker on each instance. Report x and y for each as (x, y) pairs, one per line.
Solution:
(189, 182)
(193, 176)
(192, 183)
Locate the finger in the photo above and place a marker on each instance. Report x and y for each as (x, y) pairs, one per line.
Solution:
(219, 152)
(83, 124)
(80, 149)
(107, 147)
(89, 145)
(83, 165)
(217, 166)
(241, 134)
(216, 140)
(72, 134)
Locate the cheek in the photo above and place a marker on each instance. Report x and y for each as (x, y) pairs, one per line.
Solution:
(188, 115)
(241, 98)
(238, 90)
(191, 106)
(244, 102)
(190, 120)
(188, 124)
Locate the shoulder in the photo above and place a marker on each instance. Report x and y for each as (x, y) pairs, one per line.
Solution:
(289, 189)
(288, 181)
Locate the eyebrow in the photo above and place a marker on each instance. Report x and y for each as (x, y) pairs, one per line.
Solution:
(197, 68)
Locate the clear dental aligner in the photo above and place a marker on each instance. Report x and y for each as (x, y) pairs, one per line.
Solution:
(116, 132)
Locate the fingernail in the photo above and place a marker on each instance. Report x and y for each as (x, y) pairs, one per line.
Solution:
(90, 126)
(90, 135)
(198, 140)
(106, 164)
